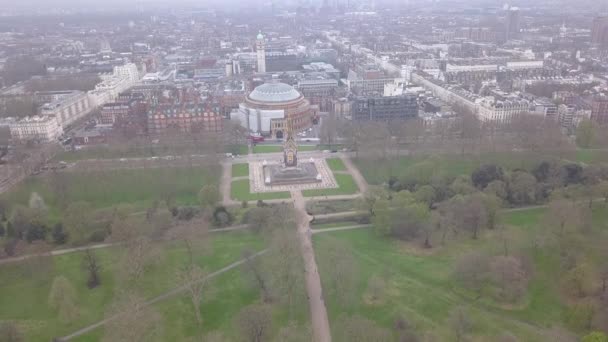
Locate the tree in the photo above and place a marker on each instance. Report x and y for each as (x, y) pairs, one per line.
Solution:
(194, 278)
(426, 195)
(294, 333)
(59, 235)
(329, 130)
(139, 254)
(255, 273)
(602, 189)
(462, 186)
(77, 222)
(62, 298)
(486, 174)
(125, 228)
(341, 267)
(497, 188)
(382, 217)
(595, 336)
(10, 332)
(254, 323)
(471, 270)
(578, 281)
(132, 320)
(284, 266)
(509, 275)
(359, 329)
(36, 202)
(409, 221)
(522, 188)
(93, 268)
(259, 218)
(209, 196)
(460, 323)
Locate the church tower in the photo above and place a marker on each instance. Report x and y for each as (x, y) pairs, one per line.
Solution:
(261, 51)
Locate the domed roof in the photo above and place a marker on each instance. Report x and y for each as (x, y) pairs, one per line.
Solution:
(274, 92)
(260, 36)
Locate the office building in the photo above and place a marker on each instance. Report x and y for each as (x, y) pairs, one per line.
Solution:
(385, 108)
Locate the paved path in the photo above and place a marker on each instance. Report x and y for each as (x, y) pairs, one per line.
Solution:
(225, 183)
(357, 176)
(337, 229)
(162, 297)
(318, 312)
(57, 252)
(101, 245)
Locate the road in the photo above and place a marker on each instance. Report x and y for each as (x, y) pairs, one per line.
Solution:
(318, 311)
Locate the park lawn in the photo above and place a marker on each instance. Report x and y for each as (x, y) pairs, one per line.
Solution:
(330, 206)
(379, 172)
(336, 164)
(25, 293)
(279, 148)
(239, 190)
(418, 288)
(591, 156)
(107, 188)
(346, 186)
(240, 170)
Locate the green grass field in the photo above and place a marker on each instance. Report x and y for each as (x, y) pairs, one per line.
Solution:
(377, 173)
(336, 164)
(420, 287)
(239, 190)
(591, 156)
(115, 152)
(240, 170)
(279, 148)
(25, 293)
(346, 186)
(104, 189)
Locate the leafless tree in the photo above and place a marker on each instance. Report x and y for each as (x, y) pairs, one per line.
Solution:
(139, 254)
(341, 268)
(62, 298)
(329, 130)
(93, 268)
(254, 323)
(255, 272)
(508, 273)
(460, 323)
(131, 320)
(76, 222)
(194, 278)
(472, 271)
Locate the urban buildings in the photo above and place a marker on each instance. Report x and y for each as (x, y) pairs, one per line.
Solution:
(260, 47)
(68, 107)
(385, 108)
(188, 118)
(41, 128)
(267, 108)
(599, 109)
(599, 31)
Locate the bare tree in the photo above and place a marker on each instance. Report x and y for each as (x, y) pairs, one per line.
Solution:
(76, 221)
(508, 273)
(62, 298)
(341, 268)
(131, 320)
(471, 270)
(139, 254)
(329, 130)
(194, 278)
(460, 323)
(285, 268)
(93, 268)
(254, 323)
(294, 333)
(254, 270)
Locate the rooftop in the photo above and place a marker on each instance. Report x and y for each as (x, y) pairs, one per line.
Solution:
(274, 92)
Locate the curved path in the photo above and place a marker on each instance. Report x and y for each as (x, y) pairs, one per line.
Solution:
(316, 302)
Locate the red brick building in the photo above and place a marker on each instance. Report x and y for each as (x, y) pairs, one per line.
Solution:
(188, 118)
(599, 110)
